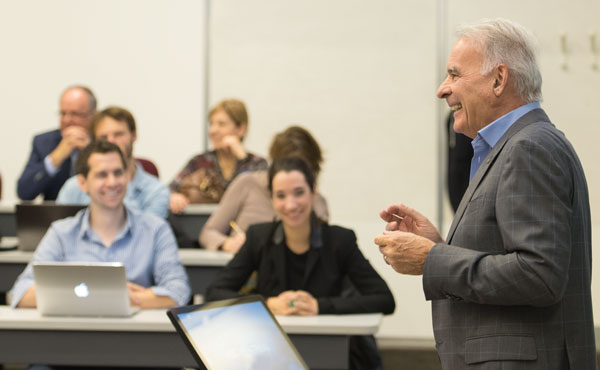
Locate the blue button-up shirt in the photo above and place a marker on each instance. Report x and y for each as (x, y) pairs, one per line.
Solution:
(144, 193)
(146, 246)
(488, 136)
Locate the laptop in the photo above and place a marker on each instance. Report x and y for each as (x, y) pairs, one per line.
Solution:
(33, 220)
(239, 333)
(95, 289)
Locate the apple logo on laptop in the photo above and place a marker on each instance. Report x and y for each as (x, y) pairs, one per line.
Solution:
(81, 290)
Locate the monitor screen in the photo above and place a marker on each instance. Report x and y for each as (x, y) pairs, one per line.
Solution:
(237, 335)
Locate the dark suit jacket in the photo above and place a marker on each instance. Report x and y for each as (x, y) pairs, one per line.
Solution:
(332, 258)
(35, 179)
(327, 266)
(511, 288)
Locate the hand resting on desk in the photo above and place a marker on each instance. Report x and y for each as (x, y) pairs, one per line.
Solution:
(293, 302)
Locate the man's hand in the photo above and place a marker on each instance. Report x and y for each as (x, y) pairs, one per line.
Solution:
(73, 137)
(412, 222)
(146, 298)
(404, 251)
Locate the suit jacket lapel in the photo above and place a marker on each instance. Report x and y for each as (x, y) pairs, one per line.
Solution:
(536, 115)
(278, 259)
(317, 232)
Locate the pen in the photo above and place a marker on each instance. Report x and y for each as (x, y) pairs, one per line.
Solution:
(398, 217)
(236, 227)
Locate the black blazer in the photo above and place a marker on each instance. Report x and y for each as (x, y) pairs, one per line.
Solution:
(35, 180)
(333, 257)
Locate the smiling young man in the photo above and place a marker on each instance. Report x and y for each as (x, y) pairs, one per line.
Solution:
(107, 231)
(144, 192)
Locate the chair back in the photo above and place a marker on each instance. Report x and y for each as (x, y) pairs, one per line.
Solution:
(148, 166)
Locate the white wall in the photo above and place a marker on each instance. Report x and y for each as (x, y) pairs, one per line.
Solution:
(145, 55)
(360, 75)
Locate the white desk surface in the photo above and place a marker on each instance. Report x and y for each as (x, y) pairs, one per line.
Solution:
(6, 207)
(188, 257)
(8, 242)
(192, 209)
(157, 321)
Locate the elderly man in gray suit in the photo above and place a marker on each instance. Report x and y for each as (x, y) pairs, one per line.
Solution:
(510, 286)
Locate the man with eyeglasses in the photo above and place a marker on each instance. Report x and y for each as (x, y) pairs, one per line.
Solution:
(54, 153)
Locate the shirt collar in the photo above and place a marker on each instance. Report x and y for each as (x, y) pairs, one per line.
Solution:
(316, 233)
(86, 230)
(137, 183)
(494, 131)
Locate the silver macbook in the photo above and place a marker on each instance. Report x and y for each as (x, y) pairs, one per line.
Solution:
(236, 334)
(33, 220)
(82, 289)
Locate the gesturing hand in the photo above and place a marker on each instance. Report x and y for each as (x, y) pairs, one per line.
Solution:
(412, 222)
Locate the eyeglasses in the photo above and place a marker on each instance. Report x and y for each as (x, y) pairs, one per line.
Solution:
(74, 114)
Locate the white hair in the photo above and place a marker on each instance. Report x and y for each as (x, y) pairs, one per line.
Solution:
(509, 43)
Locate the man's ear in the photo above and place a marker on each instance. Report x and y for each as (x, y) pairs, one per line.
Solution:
(81, 181)
(500, 79)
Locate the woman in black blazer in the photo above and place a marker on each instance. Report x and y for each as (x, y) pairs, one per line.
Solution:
(304, 264)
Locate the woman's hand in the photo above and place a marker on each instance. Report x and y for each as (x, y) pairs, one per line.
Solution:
(280, 305)
(293, 302)
(233, 243)
(178, 202)
(233, 144)
(305, 304)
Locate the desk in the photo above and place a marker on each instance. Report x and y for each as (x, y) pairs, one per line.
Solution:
(149, 339)
(201, 266)
(8, 223)
(190, 221)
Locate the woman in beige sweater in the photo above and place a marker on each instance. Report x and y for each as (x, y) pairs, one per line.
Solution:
(247, 199)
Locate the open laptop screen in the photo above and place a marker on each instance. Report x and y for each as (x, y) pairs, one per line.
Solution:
(33, 221)
(238, 333)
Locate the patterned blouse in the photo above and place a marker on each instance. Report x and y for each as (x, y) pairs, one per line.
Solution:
(202, 180)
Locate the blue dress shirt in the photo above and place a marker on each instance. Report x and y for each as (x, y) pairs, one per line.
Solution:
(146, 246)
(144, 193)
(488, 136)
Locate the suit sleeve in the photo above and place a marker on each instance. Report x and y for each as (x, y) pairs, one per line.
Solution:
(232, 277)
(34, 178)
(533, 213)
(373, 293)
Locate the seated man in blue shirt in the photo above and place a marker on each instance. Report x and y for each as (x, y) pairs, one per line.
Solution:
(145, 192)
(108, 231)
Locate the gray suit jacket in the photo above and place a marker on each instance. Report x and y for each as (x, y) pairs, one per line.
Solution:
(511, 288)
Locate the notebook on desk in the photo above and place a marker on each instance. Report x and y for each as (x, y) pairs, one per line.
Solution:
(33, 220)
(82, 289)
(238, 333)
